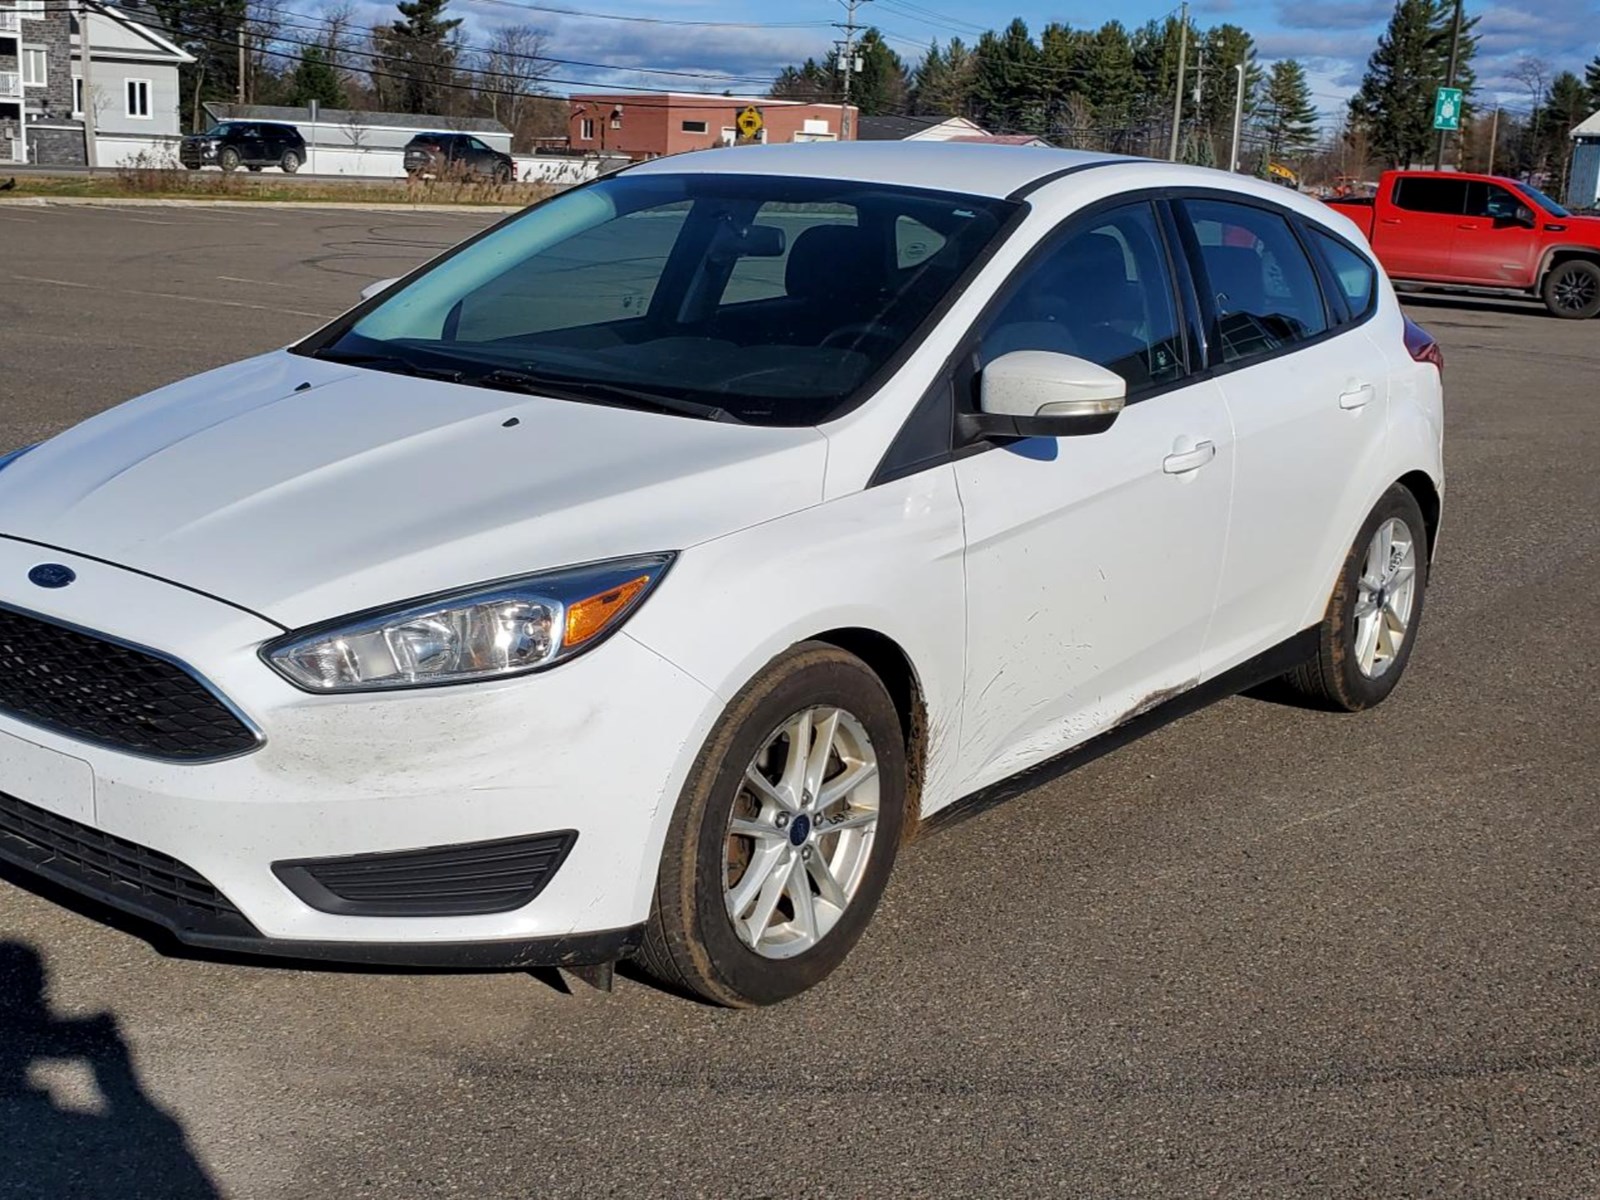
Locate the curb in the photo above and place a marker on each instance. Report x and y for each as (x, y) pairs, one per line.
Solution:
(348, 205)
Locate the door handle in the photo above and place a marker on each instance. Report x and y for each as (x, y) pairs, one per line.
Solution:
(1388, 220)
(1358, 397)
(1183, 461)
(1466, 225)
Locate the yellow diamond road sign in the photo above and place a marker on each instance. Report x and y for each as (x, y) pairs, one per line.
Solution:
(749, 121)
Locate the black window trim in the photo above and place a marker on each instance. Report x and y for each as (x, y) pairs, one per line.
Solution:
(900, 460)
(1208, 307)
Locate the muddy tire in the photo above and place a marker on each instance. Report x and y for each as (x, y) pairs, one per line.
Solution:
(784, 836)
(1572, 289)
(1368, 632)
(228, 159)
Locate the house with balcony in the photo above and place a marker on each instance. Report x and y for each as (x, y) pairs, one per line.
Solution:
(133, 82)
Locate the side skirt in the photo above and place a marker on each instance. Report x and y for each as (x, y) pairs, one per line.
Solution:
(1269, 664)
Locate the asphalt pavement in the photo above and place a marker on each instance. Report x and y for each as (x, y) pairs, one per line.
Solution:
(1264, 952)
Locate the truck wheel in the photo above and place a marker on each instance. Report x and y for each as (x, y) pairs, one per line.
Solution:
(228, 159)
(290, 162)
(1572, 289)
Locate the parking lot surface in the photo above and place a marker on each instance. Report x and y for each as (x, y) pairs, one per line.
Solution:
(1265, 952)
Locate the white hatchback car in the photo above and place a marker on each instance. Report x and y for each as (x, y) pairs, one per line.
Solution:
(629, 580)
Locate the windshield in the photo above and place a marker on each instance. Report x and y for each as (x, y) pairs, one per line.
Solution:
(1543, 201)
(221, 130)
(769, 298)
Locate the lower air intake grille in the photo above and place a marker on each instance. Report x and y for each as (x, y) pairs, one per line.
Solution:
(478, 877)
(116, 871)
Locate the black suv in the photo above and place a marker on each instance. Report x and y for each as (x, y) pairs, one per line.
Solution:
(436, 155)
(254, 144)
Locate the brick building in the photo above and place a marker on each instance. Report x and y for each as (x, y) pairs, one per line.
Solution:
(646, 125)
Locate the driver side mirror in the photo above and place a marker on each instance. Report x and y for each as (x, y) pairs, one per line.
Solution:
(1038, 393)
(372, 289)
(1522, 216)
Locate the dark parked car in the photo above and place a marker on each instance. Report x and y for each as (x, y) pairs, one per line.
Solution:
(254, 144)
(435, 155)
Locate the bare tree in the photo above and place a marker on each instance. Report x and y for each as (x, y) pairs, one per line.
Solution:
(514, 73)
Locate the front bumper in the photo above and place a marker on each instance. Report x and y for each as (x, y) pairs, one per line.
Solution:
(598, 746)
(196, 154)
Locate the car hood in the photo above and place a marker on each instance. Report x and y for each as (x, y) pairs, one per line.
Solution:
(302, 490)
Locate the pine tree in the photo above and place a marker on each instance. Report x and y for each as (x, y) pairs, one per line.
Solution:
(811, 82)
(880, 86)
(1591, 78)
(1288, 118)
(1110, 80)
(1394, 105)
(315, 79)
(419, 54)
(207, 29)
(1226, 46)
(1006, 92)
(942, 83)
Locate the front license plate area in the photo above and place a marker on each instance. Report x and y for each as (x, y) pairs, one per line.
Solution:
(49, 780)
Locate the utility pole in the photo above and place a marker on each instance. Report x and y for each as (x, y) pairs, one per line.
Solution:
(241, 62)
(1494, 136)
(1450, 79)
(1238, 118)
(847, 61)
(1177, 102)
(86, 55)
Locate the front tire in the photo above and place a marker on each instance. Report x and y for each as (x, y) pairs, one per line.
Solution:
(1572, 289)
(228, 159)
(1368, 632)
(785, 834)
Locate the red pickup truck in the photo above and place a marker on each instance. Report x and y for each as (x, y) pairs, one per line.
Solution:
(1481, 231)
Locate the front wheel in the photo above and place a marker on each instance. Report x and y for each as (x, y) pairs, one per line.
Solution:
(1572, 289)
(785, 834)
(1370, 627)
(228, 159)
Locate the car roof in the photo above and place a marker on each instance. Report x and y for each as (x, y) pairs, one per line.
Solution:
(978, 170)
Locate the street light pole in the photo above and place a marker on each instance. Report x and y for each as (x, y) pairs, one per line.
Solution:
(1450, 79)
(1238, 118)
(1177, 102)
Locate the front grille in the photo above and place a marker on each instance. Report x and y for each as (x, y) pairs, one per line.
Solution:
(460, 880)
(111, 694)
(115, 870)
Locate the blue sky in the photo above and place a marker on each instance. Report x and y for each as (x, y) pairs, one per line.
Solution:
(742, 45)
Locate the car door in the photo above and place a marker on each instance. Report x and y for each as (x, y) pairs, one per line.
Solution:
(253, 145)
(1416, 231)
(1307, 396)
(483, 159)
(1496, 241)
(1092, 562)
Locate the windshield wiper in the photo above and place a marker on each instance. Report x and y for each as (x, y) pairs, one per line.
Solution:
(388, 362)
(601, 390)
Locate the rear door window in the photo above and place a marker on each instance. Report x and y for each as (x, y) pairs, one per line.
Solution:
(1262, 285)
(1424, 194)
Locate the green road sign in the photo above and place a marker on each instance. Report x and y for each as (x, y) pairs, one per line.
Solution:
(1447, 109)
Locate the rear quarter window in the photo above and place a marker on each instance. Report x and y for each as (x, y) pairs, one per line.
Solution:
(1355, 276)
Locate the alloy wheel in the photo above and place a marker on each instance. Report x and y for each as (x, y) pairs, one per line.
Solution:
(1574, 290)
(801, 832)
(1386, 597)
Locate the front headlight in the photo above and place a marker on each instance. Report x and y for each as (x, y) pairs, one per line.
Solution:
(487, 632)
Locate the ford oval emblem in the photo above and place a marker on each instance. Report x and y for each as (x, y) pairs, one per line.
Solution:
(52, 575)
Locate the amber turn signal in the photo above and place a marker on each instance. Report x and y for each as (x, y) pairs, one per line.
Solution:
(586, 618)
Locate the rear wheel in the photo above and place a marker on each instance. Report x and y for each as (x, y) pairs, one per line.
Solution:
(228, 159)
(290, 162)
(502, 174)
(1572, 289)
(1367, 634)
(785, 835)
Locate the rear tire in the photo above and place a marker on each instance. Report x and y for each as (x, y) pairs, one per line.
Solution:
(290, 162)
(1367, 634)
(1572, 289)
(774, 862)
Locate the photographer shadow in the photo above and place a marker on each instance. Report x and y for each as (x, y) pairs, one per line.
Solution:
(119, 1143)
